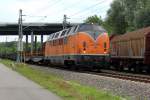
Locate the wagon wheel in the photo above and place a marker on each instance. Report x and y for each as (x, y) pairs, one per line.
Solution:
(137, 69)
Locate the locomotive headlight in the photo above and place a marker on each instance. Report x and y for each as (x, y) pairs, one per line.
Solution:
(105, 51)
(84, 51)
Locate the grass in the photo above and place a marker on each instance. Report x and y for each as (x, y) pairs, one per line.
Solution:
(67, 90)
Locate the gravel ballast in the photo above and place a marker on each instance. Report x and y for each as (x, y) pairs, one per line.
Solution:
(125, 88)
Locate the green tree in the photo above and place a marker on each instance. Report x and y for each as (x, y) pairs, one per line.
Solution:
(142, 18)
(94, 19)
(130, 7)
(116, 18)
(127, 15)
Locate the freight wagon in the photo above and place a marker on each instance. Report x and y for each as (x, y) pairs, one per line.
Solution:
(131, 50)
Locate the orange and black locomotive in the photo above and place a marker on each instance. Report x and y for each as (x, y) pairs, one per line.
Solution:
(85, 44)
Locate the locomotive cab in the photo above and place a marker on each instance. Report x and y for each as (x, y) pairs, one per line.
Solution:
(93, 45)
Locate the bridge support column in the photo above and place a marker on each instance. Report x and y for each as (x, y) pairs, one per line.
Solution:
(32, 38)
(35, 44)
(41, 41)
(26, 42)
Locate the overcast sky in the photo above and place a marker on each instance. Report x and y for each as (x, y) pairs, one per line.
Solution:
(35, 10)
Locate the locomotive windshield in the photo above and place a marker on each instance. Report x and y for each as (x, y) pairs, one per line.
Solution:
(91, 27)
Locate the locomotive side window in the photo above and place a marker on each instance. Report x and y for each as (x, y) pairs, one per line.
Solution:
(60, 41)
(65, 40)
(54, 42)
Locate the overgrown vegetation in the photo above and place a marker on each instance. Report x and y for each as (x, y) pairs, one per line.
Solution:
(126, 15)
(11, 47)
(65, 89)
(8, 47)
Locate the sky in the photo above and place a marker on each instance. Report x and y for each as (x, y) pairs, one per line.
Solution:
(50, 11)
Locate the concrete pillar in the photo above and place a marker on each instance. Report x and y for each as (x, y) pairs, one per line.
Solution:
(35, 45)
(26, 42)
(32, 38)
(41, 41)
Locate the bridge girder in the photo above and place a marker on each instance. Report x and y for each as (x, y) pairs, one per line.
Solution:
(37, 28)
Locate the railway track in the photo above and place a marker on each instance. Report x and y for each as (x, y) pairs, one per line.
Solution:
(125, 76)
(116, 74)
(113, 74)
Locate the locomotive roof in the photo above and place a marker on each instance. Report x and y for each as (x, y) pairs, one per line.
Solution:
(140, 33)
(89, 27)
(62, 33)
(74, 29)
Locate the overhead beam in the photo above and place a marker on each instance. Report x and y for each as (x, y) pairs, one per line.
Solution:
(38, 28)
